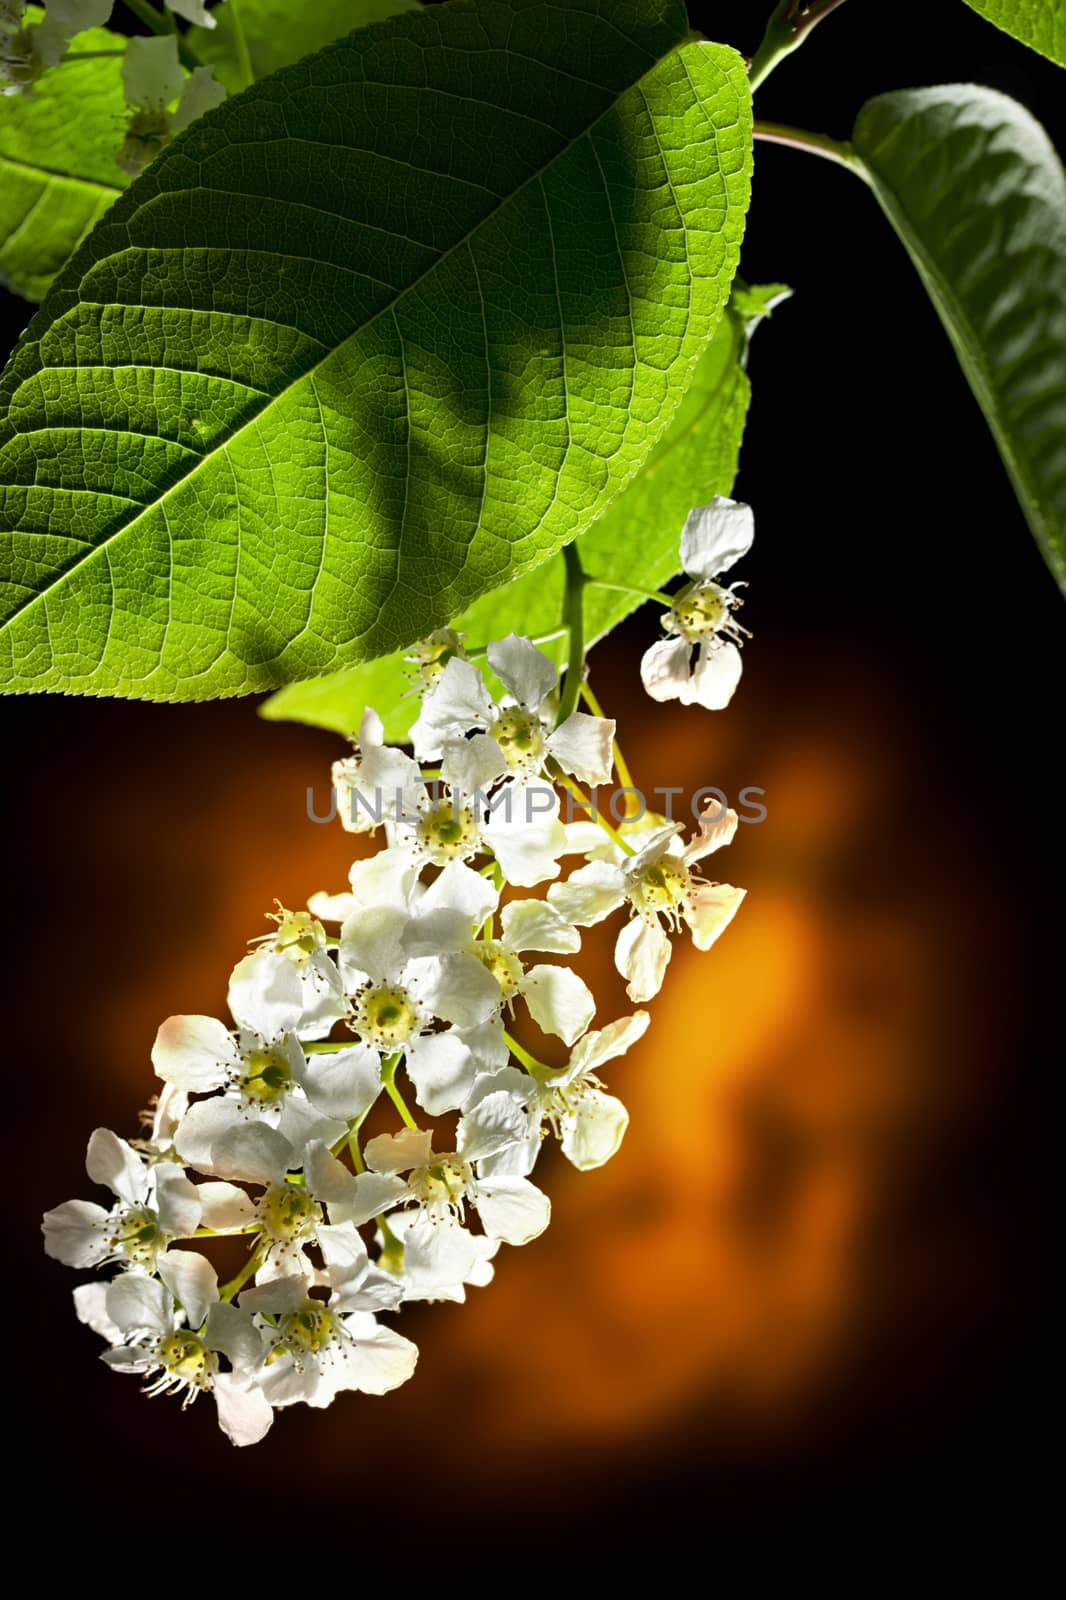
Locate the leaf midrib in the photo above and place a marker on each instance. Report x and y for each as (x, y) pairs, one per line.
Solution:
(388, 307)
(61, 177)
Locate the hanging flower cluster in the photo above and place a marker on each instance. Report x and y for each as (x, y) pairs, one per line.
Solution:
(392, 1001)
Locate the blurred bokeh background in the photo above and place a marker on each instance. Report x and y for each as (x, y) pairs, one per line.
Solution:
(813, 1277)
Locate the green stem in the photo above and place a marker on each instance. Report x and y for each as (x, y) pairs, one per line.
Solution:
(786, 30)
(816, 144)
(312, 1047)
(388, 1079)
(538, 1069)
(574, 622)
(244, 60)
(632, 588)
(579, 794)
(163, 22)
(91, 55)
(251, 1266)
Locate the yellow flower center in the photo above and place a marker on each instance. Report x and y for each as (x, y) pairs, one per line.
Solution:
(702, 613)
(138, 1236)
(187, 1358)
(266, 1075)
(661, 887)
(285, 1211)
(299, 935)
(448, 832)
(502, 963)
(386, 1015)
(520, 735)
(311, 1329)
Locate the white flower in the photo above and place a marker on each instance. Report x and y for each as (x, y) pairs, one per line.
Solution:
(263, 1069)
(152, 79)
(193, 11)
(660, 886)
(155, 1205)
(521, 725)
(301, 939)
(702, 616)
(558, 1000)
(151, 72)
(319, 1347)
(377, 781)
(441, 1258)
(428, 658)
(441, 1183)
(588, 1122)
(138, 1316)
(403, 982)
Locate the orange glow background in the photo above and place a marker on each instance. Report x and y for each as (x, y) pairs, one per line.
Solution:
(812, 1279)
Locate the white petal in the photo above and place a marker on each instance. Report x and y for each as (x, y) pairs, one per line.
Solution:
(201, 93)
(606, 1043)
(232, 1331)
(589, 894)
(716, 536)
(559, 1001)
(372, 1193)
(75, 1233)
(591, 1134)
(459, 888)
(717, 828)
(392, 785)
(584, 745)
(192, 1280)
(458, 703)
(244, 1412)
(489, 1126)
(110, 1161)
(375, 1291)
(322, 997)
(265, 994)
(301, 1121)
(716, 676)
(171, 1105)
(151, 73)
(641, 953)
(442, 1068)
(384, 879)
(328, 1180)
(587, 838)
(224, 1206)
(331, 907)
(513, 1209)
(194, 1053)
(438, 1257)
(343, 1083)
(135, 1303)
(471, 766)
(279, 1296)
(711, 910)
(90, 1307)
(372, 945)
(216, 1138)
(398, 1152)
(176, 1200)
(535, 925)
(526, 671)
(343, 1252)
(379, 1359)
(666, 667)
(457, 988)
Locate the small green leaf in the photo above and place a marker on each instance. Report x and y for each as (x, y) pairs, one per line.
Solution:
(974, 189)
(635, 541)
(279, 33)
(365, 342)
(57, 160)
(1041, 24)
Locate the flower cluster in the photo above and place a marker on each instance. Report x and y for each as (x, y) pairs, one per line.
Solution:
(368, 1122)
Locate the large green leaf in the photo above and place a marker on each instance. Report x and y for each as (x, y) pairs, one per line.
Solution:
(365, 341)
(976, 192)
(635, 541)
(1041, 24)
(280, 32)
(57, 160)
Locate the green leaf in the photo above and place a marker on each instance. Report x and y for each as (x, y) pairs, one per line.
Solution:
(366, 341)
(57, 161)
(1041, 24)
(975, 191)
(635, 541)
(280, 32)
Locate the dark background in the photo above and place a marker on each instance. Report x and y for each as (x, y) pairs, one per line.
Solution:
(809, 1292)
